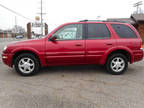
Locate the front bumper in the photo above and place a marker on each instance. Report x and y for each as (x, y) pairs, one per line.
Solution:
(7, 59)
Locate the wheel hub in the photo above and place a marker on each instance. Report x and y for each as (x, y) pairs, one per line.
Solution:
(26, 65)
(117, 64)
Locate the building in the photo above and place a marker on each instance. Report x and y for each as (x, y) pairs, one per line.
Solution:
(137, 20)
(11, 34)
(6, 34)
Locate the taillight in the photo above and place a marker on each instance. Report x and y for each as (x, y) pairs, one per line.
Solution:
(141, 47)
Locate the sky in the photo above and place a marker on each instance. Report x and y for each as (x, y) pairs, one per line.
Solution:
(63, 11)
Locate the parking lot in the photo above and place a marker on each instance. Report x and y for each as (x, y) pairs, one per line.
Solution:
(72, 87)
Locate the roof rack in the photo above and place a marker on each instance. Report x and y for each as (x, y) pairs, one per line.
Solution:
(102, 21)
(91, 20)
(83, 20)
(116, 21)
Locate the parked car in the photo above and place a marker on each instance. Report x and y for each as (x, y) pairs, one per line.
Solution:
(111, 44)
(41, 36)
(19, 36)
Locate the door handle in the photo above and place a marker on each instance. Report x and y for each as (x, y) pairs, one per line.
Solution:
(109, 44)
(78, 44)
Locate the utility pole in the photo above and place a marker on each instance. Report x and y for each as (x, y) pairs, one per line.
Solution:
(15, 24)
(41, 17)
(137, 6)
(15, 20)
(41, 14)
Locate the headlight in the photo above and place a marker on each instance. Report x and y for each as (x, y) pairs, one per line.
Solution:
(5, 48)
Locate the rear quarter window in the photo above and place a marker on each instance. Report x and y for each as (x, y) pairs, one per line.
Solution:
(124, 31)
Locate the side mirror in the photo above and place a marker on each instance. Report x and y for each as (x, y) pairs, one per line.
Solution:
(53, 38)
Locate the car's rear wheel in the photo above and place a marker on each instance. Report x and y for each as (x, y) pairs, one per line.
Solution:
(117, 64)
(27, 64)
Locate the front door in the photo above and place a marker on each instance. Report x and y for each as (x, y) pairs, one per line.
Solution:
(69, 46)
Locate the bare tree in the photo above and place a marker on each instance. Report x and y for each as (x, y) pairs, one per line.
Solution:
(18, 29)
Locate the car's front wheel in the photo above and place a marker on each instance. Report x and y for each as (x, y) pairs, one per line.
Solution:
(117, 64)
(27, 64)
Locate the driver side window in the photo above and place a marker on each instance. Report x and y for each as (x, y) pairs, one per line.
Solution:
(69, 32)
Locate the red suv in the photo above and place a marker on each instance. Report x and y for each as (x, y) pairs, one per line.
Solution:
(112, 44)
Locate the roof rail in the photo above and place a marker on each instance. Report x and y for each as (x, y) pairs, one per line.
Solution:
(83, 20)
(115, 21)
(102, 21)
(91, 20)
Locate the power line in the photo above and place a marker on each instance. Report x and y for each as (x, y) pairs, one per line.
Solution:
(137, 6)
(15, 12)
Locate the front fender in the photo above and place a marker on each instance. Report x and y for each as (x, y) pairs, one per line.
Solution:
(40, 55)
(24, 49)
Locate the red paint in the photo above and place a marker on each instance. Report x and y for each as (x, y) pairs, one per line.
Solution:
(73, 52)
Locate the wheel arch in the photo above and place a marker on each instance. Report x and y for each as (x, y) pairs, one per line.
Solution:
(125, 51)
(19, 52)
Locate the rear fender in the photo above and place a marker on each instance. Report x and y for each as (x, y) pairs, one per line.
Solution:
(108, 52)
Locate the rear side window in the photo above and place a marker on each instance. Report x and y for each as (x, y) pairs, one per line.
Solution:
(124, 31)
(98, 31)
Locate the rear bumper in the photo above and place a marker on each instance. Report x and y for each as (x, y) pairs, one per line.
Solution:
(138, 55)
(7, 59)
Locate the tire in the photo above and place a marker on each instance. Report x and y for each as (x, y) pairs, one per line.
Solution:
(117, 64)
(26, 64)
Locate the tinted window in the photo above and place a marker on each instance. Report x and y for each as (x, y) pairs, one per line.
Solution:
(124, 31)
(98, 31)
(69, 32)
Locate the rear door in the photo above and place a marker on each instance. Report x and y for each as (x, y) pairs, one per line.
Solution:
(98, 40)
(69, 46)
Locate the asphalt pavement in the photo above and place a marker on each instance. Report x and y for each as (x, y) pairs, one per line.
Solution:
(72, 87)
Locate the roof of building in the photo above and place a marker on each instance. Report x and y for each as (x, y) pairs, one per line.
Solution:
(125, 20)
(138, 17)
(132, 20)
(5, 31)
